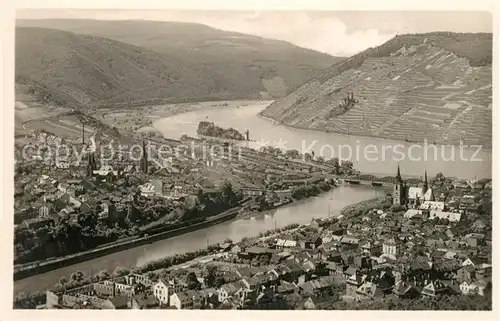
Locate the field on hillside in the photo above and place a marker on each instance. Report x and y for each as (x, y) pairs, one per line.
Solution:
(419, 92)
(67, 127)
(27, 109)
(32, 118)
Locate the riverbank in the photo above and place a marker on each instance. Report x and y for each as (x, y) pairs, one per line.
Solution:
(183, 260)
(390, 153)
(176, 261)
(31, 269)
(400, 140)
(142, 117)
(300, 212)
(186, 259)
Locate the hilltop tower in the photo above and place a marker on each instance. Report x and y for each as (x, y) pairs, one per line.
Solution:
(399, 190)
(144, 159)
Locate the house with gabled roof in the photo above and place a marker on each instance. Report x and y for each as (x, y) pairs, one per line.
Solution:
(368, 290)
(350, 242)
(353, 283)
(311, 242)
(466, 273)
(371, 248)
(187, 300)
(317, 286)
(450, 216)
(433, 288)
(164, 288)
(45, 210)
(120, 302)
(405, 290)
(229, 290)
(283, 243)
(391, 248)
(144, 302)
(474, 261)
(432, 205)
(349, 272)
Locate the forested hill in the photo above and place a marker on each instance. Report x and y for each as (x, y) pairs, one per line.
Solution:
(111, 62)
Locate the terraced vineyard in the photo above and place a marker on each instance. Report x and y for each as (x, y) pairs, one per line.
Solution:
(415, 93)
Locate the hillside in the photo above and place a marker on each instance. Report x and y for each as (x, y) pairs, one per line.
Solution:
(435, 86)
(179, 61)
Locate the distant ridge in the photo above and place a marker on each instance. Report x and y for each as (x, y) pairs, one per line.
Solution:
(157, 61)
(435, 86)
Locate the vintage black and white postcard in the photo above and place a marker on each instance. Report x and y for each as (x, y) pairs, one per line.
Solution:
(251, 159)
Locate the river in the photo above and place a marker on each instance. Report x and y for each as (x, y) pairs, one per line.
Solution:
(301, 213)
(246, 117)
(369, 155)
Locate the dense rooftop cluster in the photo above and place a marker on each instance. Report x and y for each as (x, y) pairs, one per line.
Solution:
(374, 252)
(81, 201)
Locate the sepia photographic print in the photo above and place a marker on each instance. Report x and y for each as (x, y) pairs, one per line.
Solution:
(252, 159)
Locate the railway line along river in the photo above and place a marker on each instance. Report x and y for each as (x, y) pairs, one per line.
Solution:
(263, 130)
(301, 213)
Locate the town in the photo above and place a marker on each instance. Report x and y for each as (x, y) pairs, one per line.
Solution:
(69, 204)
(428, 238)
(218, 160)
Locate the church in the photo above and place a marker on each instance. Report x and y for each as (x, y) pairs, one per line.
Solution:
(410, 196)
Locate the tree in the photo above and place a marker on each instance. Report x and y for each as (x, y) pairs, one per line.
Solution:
(292, 153)
(347, 165)
(227, 193)
(386, 205)
(219, 281)
(103, 275)
(335, 162)
(121, 271)
(210, 274)
(396, 208)
(192, 282)
(440, 177)
(18, 249)
(135, 230)
(77, 276)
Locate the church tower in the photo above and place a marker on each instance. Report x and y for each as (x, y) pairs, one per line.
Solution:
(83, 133)
(91, 164)
(426, 184)
(144, 159)
(399, 190)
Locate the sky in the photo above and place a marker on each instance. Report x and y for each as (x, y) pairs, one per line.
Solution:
(339, 33)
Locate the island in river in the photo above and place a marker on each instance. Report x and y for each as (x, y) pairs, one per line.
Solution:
(209, 129)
